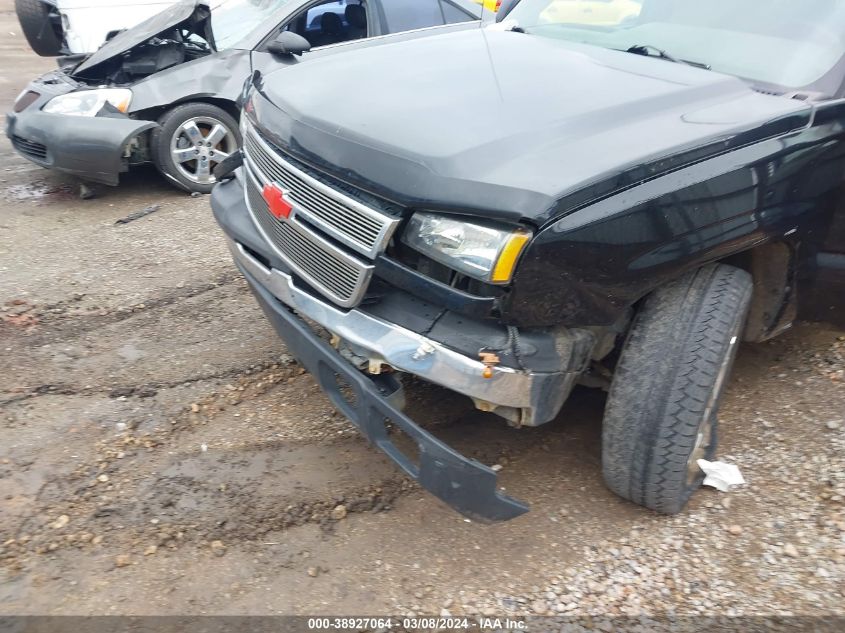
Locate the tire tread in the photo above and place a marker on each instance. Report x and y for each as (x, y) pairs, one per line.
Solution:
(663, 382)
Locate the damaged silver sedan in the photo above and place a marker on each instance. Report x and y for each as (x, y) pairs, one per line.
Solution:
(165, 91)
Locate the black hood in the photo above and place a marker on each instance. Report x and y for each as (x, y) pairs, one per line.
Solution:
(501, 122)
(193, 15)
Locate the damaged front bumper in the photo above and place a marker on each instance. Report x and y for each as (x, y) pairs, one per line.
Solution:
(91, 148)
(403, 349)
(463, 483)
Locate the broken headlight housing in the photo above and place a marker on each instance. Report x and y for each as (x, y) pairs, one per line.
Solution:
(89, 102)
(480, 251)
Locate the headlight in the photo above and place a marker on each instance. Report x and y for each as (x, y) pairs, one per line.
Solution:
(479, 251)
(89, 102)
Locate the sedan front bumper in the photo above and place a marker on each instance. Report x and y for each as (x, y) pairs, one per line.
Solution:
(91, 148)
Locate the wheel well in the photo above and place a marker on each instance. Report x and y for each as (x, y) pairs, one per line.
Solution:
(773, 303)
(153, 114)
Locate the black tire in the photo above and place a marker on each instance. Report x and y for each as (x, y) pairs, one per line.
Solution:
(662, 409)
(171, 122)
(38, 28)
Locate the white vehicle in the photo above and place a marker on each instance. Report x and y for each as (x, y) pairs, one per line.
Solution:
(79, 27)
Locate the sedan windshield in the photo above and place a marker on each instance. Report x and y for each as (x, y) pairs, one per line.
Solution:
(788, 43)
(233, 20)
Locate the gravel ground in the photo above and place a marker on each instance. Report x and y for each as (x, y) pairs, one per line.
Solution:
(160, 453)
(785, 558)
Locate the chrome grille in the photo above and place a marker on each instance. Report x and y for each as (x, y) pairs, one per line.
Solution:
(355, 225)
(339, 275)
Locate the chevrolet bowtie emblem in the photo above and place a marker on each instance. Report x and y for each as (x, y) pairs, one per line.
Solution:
(277, 200)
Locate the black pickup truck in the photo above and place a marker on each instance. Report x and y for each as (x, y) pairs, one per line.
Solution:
(614, 196)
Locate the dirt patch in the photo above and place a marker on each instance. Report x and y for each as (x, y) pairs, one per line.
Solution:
(40, 191)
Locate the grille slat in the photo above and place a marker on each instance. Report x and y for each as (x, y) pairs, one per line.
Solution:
(332, 271)
(315, 205)
(301, 189)
(357, 226)
(323, 222)
(365, 234)
(306, 255)
(336, 275)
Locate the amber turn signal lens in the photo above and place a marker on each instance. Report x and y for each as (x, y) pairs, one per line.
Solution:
(506, 263)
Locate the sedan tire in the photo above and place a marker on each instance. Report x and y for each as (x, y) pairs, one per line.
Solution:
(191, 140)
(661, 414)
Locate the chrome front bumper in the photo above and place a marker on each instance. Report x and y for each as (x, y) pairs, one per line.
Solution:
(526, 398)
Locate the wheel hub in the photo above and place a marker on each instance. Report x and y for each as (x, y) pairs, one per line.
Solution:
(198, 145)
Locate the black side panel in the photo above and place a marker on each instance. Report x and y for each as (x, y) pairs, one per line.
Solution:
(821, 278)
(588, 267)
(823, 297)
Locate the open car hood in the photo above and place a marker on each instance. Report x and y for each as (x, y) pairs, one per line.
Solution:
(189, 14)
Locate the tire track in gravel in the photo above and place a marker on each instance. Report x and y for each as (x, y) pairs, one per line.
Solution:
(142, 463)
(249, 482)
(211, 333)
(141, 390)
(65, 319)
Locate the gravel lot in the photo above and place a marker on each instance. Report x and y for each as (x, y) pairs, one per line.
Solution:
(161, 454)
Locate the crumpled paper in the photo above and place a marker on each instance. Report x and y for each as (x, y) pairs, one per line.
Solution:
(720, 475)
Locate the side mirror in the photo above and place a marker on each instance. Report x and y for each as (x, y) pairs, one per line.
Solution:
(289, 43)
(505, 8)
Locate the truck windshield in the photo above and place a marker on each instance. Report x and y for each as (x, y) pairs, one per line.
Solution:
(788, 43)
(233, 20)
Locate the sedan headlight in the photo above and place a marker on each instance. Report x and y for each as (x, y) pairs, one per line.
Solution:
(483, 252)
(89, 102)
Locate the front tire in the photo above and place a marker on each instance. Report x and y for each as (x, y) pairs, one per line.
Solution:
(191, 140)
(662, 409)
